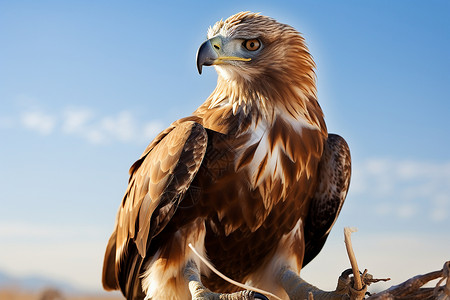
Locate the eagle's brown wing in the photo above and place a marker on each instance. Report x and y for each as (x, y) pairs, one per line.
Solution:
(334, 181)
(158, 182)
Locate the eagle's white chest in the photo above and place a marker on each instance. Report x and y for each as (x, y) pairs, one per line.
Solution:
(266, 162)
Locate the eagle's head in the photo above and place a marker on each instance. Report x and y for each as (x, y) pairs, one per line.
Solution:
(260, 60)
(256, 48)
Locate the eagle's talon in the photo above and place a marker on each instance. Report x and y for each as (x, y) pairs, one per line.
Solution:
(205, 294)
(259, 296)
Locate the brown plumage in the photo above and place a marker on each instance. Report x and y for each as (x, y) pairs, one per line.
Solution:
(251, 179)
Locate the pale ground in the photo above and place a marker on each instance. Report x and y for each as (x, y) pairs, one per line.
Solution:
(48, 294)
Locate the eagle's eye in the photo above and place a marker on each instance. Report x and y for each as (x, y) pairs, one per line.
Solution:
(252, 45)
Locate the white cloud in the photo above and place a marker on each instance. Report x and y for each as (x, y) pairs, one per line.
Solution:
(75, 120)
(438, 214)
(404, 188)
(123, 126)
(407, 210)
(38, 121)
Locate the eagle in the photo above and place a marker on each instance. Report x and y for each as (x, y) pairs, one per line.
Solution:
(251, 180)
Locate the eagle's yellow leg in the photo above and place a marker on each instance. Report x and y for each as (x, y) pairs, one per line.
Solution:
(200, 292)
(297, 288)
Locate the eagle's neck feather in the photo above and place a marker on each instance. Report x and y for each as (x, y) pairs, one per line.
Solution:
(265, 102)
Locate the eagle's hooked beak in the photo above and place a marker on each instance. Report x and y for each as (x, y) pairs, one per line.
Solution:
(211, 52)
(206, 55)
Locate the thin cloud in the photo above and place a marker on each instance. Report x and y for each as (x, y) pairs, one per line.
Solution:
(76, 119)
(121, 127)
(404, 188)
(38, 121)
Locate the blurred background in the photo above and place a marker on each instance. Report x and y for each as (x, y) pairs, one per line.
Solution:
(86, 85)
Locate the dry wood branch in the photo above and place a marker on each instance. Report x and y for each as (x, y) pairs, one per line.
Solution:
(410, 289)
(351, 255)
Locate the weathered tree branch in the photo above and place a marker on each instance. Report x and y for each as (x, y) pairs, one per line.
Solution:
(410, 289)
(351, 255)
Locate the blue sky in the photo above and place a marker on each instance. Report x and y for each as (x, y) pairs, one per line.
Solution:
(85, 85)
